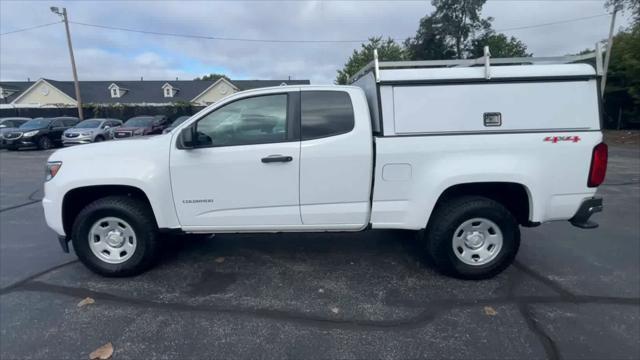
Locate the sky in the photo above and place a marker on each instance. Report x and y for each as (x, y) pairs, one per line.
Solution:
(103, 54)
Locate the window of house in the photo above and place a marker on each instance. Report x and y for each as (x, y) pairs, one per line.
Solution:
(168, 92)
(115, 92)
(256, 120)
(325, 113)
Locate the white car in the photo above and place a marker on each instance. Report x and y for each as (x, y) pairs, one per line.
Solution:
(463, 155)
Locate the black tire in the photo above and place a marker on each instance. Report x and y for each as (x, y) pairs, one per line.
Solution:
(446, 219)
(98, 139)
(44, 143)
(136, 213)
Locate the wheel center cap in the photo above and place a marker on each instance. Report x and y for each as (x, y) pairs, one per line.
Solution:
(474, 240)
(115, 238)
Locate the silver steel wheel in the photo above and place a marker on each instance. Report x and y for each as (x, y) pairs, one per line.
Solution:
(112, 240)
(477, 241)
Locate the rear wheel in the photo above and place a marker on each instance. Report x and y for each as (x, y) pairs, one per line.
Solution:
(116, 236)
(44, 143)
(472, 237)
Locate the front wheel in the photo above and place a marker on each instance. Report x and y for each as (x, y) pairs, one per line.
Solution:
(115, 236)
(44, 143)
(472, 237)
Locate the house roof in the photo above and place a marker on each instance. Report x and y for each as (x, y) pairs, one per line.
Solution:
(19, 86)
(142, 91)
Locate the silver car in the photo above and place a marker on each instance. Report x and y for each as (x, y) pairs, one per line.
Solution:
(90, 130)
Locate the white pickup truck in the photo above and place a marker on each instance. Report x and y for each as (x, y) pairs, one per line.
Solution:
(462, 154)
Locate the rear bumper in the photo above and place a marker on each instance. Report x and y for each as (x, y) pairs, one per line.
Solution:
(586, 209)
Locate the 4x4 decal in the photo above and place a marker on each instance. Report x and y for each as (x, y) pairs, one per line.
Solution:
(555, 139)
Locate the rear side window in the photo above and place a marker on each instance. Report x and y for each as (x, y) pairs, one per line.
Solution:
(325, 113)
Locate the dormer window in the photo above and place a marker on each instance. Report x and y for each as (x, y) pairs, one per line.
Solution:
(5, 93)
(116, 91)
(169, 90)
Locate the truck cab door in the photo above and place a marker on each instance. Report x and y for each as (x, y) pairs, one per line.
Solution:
(336, 153)
(242, 174)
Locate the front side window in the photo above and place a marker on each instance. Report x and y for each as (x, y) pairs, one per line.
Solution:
(256, 120)
(139, 121)
(88, 124)
(325, 113)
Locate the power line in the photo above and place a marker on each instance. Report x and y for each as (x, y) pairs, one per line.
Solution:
(321, 41)
(29, 28)
(214, 37)
(551, 23)
(306, 41)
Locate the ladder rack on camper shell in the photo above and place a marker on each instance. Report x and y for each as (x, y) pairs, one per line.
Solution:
(485, 61)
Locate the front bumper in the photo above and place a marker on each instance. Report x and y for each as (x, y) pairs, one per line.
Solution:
(66, 142)
(76, 141)
(22, 142)
(587, 208)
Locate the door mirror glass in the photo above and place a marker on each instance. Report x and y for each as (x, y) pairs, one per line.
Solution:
(187, 138)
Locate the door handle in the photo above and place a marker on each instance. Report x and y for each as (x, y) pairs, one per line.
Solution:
(276, 158)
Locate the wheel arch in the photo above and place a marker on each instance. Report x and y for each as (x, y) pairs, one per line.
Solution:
(76, 199)
(516, 197)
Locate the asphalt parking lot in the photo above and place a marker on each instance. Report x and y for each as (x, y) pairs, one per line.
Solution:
(571, 294)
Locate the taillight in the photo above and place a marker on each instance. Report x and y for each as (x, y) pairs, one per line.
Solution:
(598, 165)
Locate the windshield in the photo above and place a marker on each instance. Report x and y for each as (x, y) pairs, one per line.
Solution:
(36, 124)
(139, 122)
(88, 124)
(179, 121)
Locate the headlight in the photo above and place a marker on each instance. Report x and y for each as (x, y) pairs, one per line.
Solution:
(86, 133)
(139, 132)
(52, 169)
(30, 133)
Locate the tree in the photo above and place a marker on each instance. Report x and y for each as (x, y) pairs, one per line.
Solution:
(458, 21)
(213, 77)
(428, 43)
(388, 50)
(622, 93)
(626, 5)
(499, 45)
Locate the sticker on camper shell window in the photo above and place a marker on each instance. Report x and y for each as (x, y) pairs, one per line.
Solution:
(556, 139)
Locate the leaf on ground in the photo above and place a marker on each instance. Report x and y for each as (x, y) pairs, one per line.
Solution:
(86, 301)
(335, 310)
(219, 260)
(489, 311)
(104, 352)
(321, 291)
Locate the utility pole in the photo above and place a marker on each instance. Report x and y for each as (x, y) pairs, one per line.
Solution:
(76, 84)
(607, 56)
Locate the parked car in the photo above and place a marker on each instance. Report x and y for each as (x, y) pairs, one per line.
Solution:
(175, 123)
(90, 130)
(142, 125)
(464, 156)
(10, 124)
(43, 133)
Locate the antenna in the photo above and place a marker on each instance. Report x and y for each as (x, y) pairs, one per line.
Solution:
(376, 69)
(487, 64)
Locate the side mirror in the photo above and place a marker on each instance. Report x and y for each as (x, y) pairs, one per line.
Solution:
(107, 127)
(188, 138)
(3, 126)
